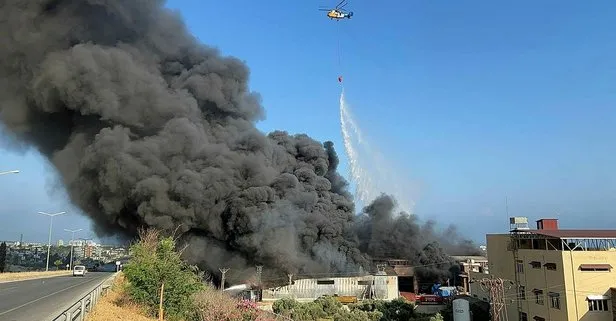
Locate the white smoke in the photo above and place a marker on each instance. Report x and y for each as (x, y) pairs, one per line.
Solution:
(369, 170)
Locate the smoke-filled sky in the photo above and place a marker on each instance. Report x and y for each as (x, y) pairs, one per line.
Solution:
(473, 115)
(148, 128)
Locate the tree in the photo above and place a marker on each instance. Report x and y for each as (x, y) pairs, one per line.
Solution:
(57, 263)
(3, 257)
(156, 262)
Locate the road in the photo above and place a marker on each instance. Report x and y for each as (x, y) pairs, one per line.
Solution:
(36, 300)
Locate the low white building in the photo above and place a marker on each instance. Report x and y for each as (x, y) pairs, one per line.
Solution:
(381, 287)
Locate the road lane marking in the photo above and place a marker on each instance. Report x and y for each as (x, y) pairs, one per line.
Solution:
(41, 298)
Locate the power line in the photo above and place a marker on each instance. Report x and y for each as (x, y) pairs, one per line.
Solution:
(496, 287)
(559, 289)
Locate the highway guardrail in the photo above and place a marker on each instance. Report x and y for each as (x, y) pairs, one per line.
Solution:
(77, 310)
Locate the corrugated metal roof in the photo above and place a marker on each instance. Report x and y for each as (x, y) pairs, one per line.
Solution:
(564, 234)
(469, 257)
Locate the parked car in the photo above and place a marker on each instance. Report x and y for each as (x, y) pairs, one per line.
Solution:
(79, 270)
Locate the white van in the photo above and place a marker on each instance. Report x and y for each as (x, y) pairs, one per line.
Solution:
(79, 270)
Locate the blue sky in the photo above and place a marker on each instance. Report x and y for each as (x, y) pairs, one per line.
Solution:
(474, 100)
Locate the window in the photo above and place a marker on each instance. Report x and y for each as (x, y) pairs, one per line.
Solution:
(325, 282)
(522, 293)
(520, 266)
(535, 265)
(597, 305)
(554, 300)
(595, 267)
(364, 282)
(523, 316)
(538, 296)
(536, 318)
(550, 266)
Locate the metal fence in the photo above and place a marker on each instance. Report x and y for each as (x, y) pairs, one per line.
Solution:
(78, 310)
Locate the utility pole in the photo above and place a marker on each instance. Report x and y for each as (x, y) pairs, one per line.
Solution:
(70, 262)
(51, 216)
(496, 287)
(222, 281)
(259, 292)
(259, 273)
(507, 207)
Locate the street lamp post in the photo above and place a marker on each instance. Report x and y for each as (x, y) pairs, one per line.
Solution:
(10, 172)
(51, 216)
(70, 263)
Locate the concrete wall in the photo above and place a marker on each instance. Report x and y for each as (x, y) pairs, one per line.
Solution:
(584, 285)
(566, 281)
(392, 288)
(542, 279)
(500, 263)
(476, 291)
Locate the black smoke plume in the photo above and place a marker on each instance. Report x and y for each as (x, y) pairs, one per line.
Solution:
(149, 128)
(385, 234)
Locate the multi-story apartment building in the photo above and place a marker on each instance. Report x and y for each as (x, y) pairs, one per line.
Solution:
(555, 274)
(87, 251)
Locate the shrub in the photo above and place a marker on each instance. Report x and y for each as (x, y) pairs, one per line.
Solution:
(214, 305)
(395, 310)
(436, 317)
(156, 262)
(325, 307)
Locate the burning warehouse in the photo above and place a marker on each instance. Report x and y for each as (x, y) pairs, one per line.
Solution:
(392, 279)
(350, 288)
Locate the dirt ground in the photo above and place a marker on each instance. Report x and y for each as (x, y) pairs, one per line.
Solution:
(113, 306)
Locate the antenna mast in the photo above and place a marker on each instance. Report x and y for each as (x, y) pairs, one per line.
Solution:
(507, 206)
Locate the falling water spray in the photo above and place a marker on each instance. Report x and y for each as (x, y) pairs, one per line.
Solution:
(368, 169)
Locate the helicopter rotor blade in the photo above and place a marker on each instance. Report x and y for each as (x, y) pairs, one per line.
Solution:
(341, 2)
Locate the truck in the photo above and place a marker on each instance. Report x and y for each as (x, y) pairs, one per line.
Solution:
(440, 295)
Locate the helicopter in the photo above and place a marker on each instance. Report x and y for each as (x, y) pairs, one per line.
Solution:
(338, 12)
